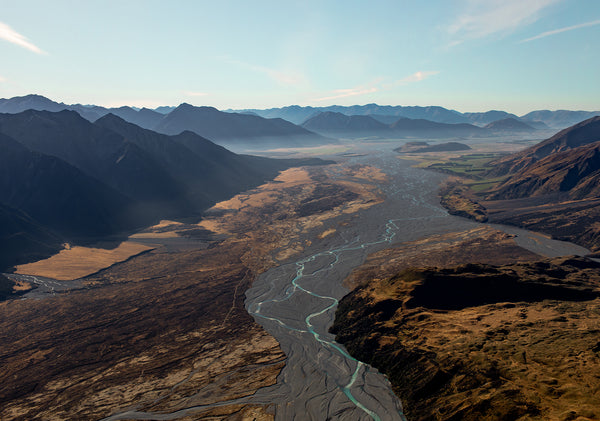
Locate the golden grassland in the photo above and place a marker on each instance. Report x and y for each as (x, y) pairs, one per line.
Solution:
(525, 360)
(77, 262)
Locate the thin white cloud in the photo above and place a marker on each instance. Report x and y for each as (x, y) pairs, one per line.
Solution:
(560, 30)
(344, 93)
(418, 76)
(10, 35)
(485, 18)
(2, 79)
(414, 78)
(290, 78)
(191, 93)
(377, 85)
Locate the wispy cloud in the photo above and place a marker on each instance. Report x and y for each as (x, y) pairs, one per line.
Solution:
(417, 76)
(191, 93)
(344, 93)
(414, 78)
(560, 30)
(10, 35)
(484, 18)
(283, 77)
(377, 85)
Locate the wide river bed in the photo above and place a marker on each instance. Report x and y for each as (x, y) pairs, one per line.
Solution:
(296, 302)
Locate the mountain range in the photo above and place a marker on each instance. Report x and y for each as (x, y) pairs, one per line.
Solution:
(234, 128)
(330, 123)
(266, 130)
(64, 178)
(541, 119)
(231, 129)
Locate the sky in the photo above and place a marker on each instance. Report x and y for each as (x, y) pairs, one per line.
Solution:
(467, 55)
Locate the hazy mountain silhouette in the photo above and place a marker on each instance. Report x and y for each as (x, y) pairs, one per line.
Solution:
(149, 119)
(22, 239)
(481, 119)
(338, 124)
(561, 118)
(145, 117)
(509, 124)
(234, 128)
(164, 109)
(293, 113)
(29, 102)
(539, 125)
(298, 115)
(542, 119)
(425, 128)
(385, 119)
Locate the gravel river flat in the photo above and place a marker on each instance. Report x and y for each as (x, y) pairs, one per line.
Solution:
(296, 301)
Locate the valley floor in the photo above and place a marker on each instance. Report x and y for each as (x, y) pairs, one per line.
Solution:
(165, 334)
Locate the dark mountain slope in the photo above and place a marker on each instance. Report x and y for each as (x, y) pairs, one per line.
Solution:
(59, 196)
(238, 172)
(574, 171)
(81, 181)
(23, 240)
(100, 153)
(586, 132)
(235, 128)
(208, 171)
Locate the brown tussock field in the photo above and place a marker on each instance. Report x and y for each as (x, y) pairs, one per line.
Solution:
(78, 262)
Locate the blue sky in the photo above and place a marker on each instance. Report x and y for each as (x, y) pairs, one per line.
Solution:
(468, 55)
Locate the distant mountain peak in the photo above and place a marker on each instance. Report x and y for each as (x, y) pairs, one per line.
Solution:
(509, 124)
